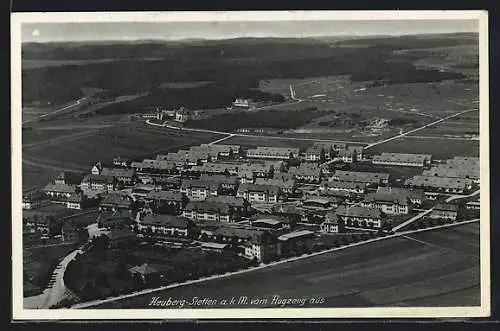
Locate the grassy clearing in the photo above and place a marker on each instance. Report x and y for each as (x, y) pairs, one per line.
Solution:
(439, 148)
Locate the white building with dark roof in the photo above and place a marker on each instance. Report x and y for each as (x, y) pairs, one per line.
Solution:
(276, 153)
(440, 184)
(402, 159)
(208, 211)
(369, 178)
(342, 186)
(256, 193)
(360, 217)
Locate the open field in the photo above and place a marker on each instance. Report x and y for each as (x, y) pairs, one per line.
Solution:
(30, 64)
(429, 267)
(134, 140)
(439, 148)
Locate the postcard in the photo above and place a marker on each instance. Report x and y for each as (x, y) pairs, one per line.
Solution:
(250, 165)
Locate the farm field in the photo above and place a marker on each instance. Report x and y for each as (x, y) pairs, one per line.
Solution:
(134, 140)
(439, 148)
(443, 263)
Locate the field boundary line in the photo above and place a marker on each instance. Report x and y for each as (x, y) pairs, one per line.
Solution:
(262, 266)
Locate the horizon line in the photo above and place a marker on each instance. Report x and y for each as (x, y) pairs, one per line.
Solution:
(187, 39)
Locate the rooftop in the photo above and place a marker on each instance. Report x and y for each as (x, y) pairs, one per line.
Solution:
(296, 234)
(358, 211)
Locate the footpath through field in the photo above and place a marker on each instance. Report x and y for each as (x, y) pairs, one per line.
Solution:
(148, 291)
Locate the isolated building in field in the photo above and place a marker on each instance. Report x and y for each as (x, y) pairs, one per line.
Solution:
(182, 115)
(276, 153)
(402, 159)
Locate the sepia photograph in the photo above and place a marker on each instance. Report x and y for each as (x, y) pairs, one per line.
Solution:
(314, 164)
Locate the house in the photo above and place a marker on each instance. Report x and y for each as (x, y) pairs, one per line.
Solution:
(388, 202)
(164, 225)
(121, 175)
(307, 173)
(402, 159)
(116, 219)
(59, 193)
(68, 178)
(95, 182)
(115, 201)
(208, 211)
(263, 247)
(34, 199)
(286, 186)
(277, 153)
(458, 167)
(182, 115)
(239, 206)
(314, 154)
(343, 186)
(199, 189)
(319, 203)
(244, 104)
(122, 162)
(271, 222)
(120, 237)
(440, 184)
(360, 217)
(227, 233)
(148, 272)
(473, 205)
(166, 200)
(350, 154)
(141, 191)
(69, 233)
(255, 193)
(225, 151)
(214, 247)
(369, 178)
(227, 183)
(97, 168)
(414, 196)
(332, 224)
(38, 223)
(444, 211)
(296, 242)
(76, 201)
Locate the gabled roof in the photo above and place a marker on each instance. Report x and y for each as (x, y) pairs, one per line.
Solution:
(117, 172)
(446, 207)
(165, 220)
(165, 195)
(358, 211)
(61, 188)
(208, 206)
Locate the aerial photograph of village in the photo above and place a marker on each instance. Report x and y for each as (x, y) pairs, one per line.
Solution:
(250, 165)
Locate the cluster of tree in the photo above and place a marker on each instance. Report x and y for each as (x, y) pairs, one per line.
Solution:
(226, 62)
(275, 119)
(217, 95)
(402, 121)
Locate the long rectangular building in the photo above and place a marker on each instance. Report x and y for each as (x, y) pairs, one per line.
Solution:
(440, 184)
(361, 177)
(276, 153)
(402, 159)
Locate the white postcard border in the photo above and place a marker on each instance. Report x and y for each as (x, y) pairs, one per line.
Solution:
(19, 313)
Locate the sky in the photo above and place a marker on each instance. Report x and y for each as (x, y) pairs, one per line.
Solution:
(83, 31)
